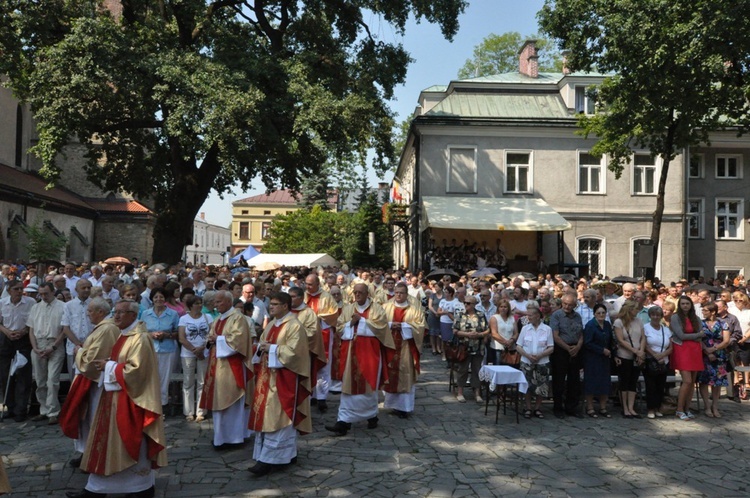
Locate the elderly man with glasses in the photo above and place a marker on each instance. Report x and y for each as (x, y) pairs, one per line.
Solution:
(14, 315)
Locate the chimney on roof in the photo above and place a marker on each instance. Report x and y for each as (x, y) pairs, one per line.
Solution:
(565, 69)
(528, 60)
(203, 216)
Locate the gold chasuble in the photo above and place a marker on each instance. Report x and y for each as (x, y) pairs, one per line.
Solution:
(361, 356)
(311, 324)
(227, 379)
(324, 306)
(125, 418)
(97, 346)
(402, 363)
(282, 395)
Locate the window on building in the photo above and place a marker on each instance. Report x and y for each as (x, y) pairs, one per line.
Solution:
(266, 213)
(264, 229)
(644, 174)
(696, 166)
(728, 166)
(289, 212)
(729, 215)
(695, 218)
(590, 253)
(244, 230)
(590, 174)
(518, 172)
(585, 100)
(462, 170)
(245, 211)
(725, 273)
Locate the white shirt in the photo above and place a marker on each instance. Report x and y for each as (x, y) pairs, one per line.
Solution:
(535, 340)
(96, 282)
(449, 307)
(70, 283)
(113, 295)
(46, 319)
(658, 339)
(505, 329)
(76, 319)
(196, 332)
(15, 316)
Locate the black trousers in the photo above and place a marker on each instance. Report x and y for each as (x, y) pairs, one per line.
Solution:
(20, 384)
(655, 384)
(566, 380)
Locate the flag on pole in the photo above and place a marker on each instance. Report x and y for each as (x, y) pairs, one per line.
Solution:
(19, 361)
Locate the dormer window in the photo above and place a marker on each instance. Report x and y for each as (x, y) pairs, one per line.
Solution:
(585, 100)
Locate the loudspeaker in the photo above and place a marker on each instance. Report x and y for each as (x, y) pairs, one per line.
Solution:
(645, 254)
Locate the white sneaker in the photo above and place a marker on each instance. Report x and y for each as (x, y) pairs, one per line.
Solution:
(690, 414)
(460, 398)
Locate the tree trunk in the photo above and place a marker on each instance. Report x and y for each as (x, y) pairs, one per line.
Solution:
(176, 210)
(659, 211)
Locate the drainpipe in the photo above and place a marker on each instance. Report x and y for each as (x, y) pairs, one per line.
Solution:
(685, 196)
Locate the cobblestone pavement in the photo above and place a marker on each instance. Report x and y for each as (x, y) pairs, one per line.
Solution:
(445, 449)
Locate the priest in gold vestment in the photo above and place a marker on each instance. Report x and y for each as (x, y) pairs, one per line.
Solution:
(407, 324)
(126, 442)
(228, 386)
(364, 334)
(327, 311)
(281, 402)
(77, 413)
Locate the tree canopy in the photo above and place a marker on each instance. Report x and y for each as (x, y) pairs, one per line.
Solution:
(497, 54)
(174, 98)
(677, 69)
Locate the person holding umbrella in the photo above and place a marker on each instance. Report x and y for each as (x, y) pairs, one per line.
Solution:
(15, 341)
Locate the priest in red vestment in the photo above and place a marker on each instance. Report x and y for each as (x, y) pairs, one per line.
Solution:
(126, 442)
(281, 401)
(327, 311)
(364, 333)
(407, 324)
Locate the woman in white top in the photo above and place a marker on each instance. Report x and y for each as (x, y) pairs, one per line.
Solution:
(742, 311)
(447, 308)
(658, 347)
(535, 344)
(502, 331)
(193, 331)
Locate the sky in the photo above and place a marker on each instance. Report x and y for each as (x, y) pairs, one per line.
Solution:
(436, 62)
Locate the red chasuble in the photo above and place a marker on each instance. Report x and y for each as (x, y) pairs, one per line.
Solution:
(76, 402)
(365, 361)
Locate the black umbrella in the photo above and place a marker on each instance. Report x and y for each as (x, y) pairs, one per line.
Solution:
(622, 279)
(709, 288)
(438, 274)
(566, 276)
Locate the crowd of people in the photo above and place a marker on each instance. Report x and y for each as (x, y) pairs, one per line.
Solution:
(259, 352)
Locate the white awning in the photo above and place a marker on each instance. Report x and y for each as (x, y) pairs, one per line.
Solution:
(477, 213)
(309, 260)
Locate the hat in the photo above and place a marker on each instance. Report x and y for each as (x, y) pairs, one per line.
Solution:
(31, 289)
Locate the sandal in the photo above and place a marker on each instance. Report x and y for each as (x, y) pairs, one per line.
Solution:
(604, 413)
(591, 413)
(527, 414)
(538, 414)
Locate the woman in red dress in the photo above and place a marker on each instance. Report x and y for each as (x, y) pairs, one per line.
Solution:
(687, 356)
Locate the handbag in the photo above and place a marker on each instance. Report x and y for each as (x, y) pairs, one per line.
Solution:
(654, 366)
(508, 357)
(455, 350)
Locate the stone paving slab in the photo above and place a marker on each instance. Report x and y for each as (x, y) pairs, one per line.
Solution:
(446, 449)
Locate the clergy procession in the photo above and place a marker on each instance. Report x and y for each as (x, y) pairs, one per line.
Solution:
(272, 356)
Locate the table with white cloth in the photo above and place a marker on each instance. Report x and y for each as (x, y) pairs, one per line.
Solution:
(502, 375)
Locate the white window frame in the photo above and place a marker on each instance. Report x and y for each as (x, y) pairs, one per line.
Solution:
(738, 157)
(448, 169)
(738, 269)
(530, 174)
(602, 175)
(586, 101)
(633, 268)
(701, 165)
(740, 221)
(602, 251)
(701, 215)
(634, 168)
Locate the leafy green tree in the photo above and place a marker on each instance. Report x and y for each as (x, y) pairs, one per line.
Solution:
(679, 72)
(497, 54)
(40, 242)
(311, 230)
(172, 99)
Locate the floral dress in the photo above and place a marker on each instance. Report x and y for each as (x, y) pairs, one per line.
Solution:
(476, 322)
(714, 372)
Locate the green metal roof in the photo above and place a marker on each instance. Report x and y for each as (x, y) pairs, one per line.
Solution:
(497, 105)
(544, 78)
(436, 88)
